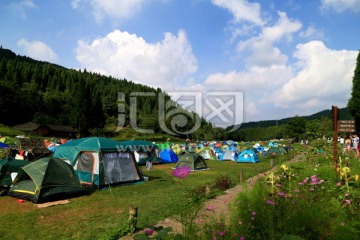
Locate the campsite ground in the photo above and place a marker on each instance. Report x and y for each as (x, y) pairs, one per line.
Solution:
(162, 196)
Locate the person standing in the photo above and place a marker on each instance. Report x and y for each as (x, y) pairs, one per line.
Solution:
(347, 145)
(355, 144)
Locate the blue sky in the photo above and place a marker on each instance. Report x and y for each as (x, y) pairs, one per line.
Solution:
(287, 57)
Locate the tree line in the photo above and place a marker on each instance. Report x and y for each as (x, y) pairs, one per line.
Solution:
(47, 93)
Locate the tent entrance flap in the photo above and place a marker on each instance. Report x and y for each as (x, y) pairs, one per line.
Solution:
(119, 167)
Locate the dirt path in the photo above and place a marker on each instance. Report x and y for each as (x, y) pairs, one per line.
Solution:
(219, 206)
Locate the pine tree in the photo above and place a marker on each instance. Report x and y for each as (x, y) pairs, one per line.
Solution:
(354, 101)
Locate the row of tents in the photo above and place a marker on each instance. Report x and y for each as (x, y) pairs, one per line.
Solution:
(95, 162)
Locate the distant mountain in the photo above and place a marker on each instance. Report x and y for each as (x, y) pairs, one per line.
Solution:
(344, 114)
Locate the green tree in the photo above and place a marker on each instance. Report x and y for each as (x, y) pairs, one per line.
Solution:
(354, 101)
(296, 127)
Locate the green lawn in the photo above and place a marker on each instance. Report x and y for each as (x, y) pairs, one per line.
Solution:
(97, 215)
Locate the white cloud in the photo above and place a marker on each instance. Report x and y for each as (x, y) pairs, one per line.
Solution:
(341, 5)
(261, 47)
(242, 10)
(324, 79)
(256, 83)
(22, 7)
(37, 50)
(312, 33)
(163, 64)
(111, 8)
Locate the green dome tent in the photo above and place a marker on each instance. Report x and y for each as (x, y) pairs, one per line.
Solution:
(100, 161)
(193, 160)
(46, 179)
(8, 166)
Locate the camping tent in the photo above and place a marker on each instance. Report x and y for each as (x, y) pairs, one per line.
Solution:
(168, 156)
(144, 151)
(193, 160)
(8, 166)
(3, 145)
(228, 155)
(248, 156)
(282, 149)
(208, 153)
(273, 151)
(100, 161)
(8, 140)
(46, 179)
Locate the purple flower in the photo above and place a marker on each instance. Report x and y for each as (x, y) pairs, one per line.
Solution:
(149, 231)
(270, 202)
(296, 190)
(221, 234)
(281, 194)
(278, 184)
(253, 213)
(181, 172)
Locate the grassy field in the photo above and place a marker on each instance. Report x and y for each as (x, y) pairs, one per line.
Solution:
(99, 214)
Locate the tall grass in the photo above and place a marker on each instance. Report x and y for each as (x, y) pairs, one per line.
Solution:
(303, 200)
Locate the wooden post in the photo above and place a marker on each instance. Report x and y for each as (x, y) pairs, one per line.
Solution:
(207, 190)
(241, 176)
(335, 115)
(133, 214)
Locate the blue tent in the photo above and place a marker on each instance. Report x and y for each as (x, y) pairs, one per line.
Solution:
(3, 145)
(168, 156)
(273, 144)
(248, 156)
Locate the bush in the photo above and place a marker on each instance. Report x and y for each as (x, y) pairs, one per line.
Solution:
(223, 183)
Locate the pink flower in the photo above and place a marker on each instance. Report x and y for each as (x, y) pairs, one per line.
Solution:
(221, 234)
(181, 172)
(209, 208)
(281, 194)
(253, 213)
(347, 201)
(149, 231)
(338, 184)
(242, 238)
(270, 202)
(278, 184)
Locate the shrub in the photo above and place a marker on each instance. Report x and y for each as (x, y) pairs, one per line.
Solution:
(223, 182)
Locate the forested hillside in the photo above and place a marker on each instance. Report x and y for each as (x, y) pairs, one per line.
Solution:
(47, 93)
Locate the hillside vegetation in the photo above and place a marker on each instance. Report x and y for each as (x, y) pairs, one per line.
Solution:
(46, 93)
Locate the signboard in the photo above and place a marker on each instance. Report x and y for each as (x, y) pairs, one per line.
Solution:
(346, 125)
